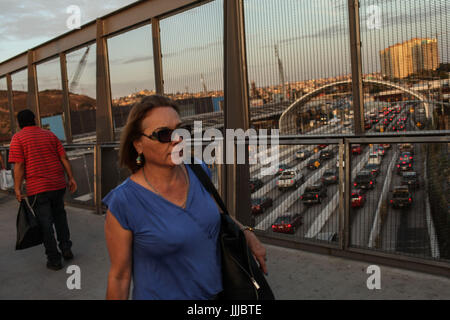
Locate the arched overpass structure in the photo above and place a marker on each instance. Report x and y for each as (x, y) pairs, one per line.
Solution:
(287, 123)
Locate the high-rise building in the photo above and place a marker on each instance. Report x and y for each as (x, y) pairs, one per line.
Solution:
(413, 56)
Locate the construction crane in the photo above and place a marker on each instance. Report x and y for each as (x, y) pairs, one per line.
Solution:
(76, 77)
(281, 72)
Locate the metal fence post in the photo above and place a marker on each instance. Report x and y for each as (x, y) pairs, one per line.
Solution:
(12, 116)
(104, 121)
(33, 97)
(356, 62)
(347, 191)
(236, 111)
(342, 180)
(65, 95)
(157, 56)
(97, 179)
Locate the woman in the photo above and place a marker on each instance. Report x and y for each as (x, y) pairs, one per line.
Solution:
(161, 225)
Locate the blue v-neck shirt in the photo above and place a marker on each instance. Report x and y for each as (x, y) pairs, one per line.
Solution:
(175, 250)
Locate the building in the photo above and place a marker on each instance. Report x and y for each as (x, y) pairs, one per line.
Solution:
(413, 56)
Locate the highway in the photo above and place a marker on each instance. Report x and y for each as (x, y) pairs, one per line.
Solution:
(376, 225)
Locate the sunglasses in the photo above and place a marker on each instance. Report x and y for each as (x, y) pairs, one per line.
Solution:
(164, 135)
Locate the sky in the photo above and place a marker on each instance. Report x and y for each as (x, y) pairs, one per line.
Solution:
(312, 39)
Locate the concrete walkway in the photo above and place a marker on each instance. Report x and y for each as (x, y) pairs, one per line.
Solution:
(293, 274)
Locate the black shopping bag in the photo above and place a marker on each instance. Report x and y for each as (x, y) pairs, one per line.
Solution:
(29, 232)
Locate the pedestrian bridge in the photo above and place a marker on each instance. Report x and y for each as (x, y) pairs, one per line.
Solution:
(218, 58)
(293, 274)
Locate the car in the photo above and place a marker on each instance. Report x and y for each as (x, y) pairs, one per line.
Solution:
(347, 123)
(380, 150)
(326, 154)
(374, 157)
(410, 179)
(386, 146)
(255, 184)
(404, 156)
(322, 146)
(364, 180)
(314, 164)
(324, 119)
(400, 125)
(404, 165)
(357, 199)
(334, 122)
(287, 223)
(374, 120)
(260, 204)
(314, 194)
(281, 167)
(303, 154)
(290, 178)
(367, 125)
(330, 176)
(356, 149)
(373, 168)
(407, 147)
(379, 127)
(401, 197)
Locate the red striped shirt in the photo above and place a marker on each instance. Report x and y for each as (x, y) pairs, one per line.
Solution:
(41, 151)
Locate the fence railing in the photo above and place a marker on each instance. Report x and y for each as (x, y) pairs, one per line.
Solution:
(382, 196)
(323, 72)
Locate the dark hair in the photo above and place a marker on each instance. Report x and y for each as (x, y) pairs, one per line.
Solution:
(132, 130)
(26, 118)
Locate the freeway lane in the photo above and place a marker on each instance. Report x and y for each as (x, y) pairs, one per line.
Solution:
(405, 230)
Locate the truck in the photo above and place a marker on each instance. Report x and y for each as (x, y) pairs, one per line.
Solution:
(291, 178)
(406, 147)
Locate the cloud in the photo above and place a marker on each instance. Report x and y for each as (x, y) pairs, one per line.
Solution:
(25, 20)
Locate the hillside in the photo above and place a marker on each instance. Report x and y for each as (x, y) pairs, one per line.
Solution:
(50, 102)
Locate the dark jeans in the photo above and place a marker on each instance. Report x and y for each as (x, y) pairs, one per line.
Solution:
(49, 209)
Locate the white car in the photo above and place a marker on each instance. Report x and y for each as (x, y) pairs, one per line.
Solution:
(334, 121)
(374, 158)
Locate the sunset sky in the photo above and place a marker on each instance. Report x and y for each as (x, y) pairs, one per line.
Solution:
(312, 39)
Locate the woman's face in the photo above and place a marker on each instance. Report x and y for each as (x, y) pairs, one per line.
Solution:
(156, 152)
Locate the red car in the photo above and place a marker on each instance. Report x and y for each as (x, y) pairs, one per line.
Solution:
(287, 223)
(356, 149)
(322, 146)
(260, 204)
(357, 199)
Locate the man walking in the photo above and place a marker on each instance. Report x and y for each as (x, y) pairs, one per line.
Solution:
(40, 158)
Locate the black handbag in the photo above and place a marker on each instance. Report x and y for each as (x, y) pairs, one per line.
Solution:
(29, 233)
(241, 276)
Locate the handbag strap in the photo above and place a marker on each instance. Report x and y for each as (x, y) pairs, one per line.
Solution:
(207, 183)
(30, 206)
